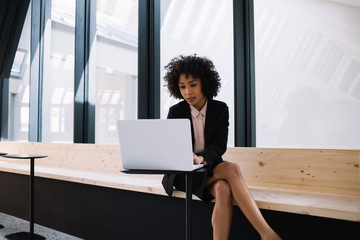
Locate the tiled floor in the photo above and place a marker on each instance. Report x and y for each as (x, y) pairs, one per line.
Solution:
(12, 224)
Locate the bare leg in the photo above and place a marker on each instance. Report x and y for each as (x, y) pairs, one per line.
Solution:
(222, 213)
(231, 173)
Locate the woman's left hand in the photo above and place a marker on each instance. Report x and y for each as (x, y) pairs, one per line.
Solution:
(197, 159)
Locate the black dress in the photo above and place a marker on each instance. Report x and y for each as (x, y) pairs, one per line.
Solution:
(216, 135)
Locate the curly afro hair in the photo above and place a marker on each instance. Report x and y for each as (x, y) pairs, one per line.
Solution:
(198, 67)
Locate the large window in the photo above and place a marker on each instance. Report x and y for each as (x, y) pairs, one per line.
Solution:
(19, 91)
(205, 28)
(307, 73)
(58, 73)
(112, 71)
(116, 66)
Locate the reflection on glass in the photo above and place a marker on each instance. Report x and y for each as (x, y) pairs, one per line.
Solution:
(58, 80)
(307, 73)
(204, 28)
(19, 63)
(116, 66)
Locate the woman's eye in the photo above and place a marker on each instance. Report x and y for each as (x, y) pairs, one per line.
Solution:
(182, 87)
(193, 85)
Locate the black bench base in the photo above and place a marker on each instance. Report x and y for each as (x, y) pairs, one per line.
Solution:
(93, 212)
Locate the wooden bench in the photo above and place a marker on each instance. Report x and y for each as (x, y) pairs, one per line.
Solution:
(314, 182)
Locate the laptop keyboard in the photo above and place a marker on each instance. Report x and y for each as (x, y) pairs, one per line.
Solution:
(197, 166)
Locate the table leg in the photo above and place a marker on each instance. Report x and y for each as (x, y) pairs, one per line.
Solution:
(31, 207)
(188, 179)
(30, 235)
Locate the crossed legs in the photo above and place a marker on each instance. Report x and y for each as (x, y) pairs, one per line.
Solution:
(222, 213)
(225, 185)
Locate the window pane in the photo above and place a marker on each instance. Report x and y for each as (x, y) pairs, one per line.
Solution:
(307, 73)
(58, 79)
(116, 66)
(18, 125)
(205, 28)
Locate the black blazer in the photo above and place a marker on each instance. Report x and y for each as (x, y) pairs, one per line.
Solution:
(216, 134)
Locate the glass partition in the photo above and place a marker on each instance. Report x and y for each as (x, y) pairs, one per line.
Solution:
(116, 66)
(19, 91)
(58, 79)
(307, 73)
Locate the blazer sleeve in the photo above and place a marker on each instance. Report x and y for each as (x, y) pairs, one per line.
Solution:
(218, 135)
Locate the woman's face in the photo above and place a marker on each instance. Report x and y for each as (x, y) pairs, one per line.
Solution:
(190, 89)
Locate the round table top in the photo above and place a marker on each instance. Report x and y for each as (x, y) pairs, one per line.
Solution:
(1, 153)
(24, 156)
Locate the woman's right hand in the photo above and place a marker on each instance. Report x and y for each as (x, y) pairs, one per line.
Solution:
(198, 159)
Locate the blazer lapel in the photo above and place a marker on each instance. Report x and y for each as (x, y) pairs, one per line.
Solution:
(210, 120)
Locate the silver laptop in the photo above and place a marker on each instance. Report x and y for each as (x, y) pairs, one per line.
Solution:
(156, 144)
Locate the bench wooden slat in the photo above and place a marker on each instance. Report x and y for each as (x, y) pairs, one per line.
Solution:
(314, 170)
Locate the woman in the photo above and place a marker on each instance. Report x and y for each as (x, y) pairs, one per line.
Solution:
(195, 80)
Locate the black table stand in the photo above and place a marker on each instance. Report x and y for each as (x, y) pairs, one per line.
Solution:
(27, 235)
(188, 180)
(2, 154)
(188, 215)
